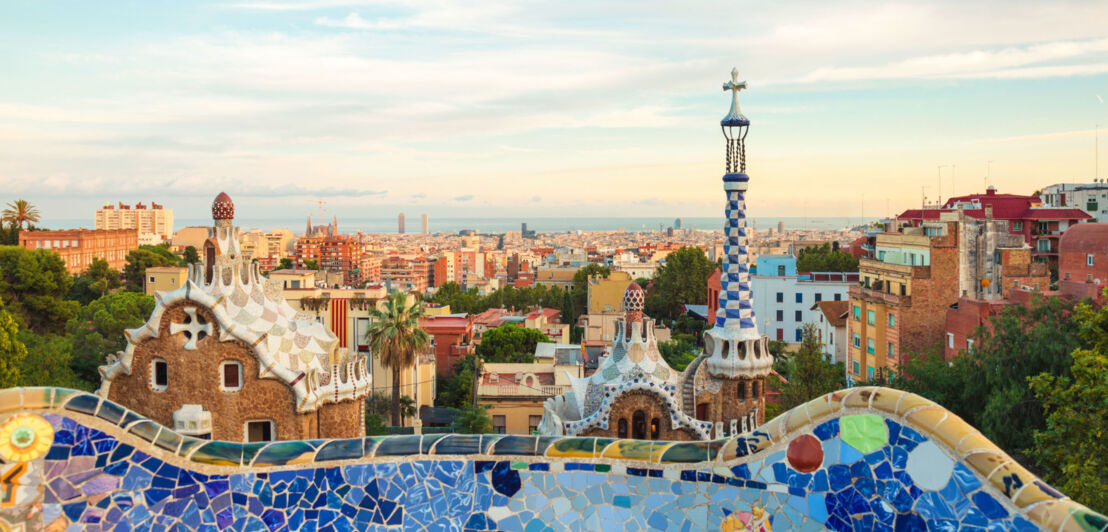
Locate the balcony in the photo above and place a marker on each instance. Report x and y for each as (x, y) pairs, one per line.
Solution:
(519, 390)
(877, 296)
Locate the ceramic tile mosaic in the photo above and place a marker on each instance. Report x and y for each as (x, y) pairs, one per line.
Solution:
(74, 462)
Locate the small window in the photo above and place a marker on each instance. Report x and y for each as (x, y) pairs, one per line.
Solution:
(798, 316)
(819, 297)
(855, 367)
(755, 389)
(857, 342)
(891, 352)
(260, 430)
(622, 431)
(838, 297)
(780, 315)
(499, 424)
(799, 334)
(780, 297)
(969, 344)
(799, 297)
(780, 270)
(892, 320)
(871, 346)
(950, 340)
(857, 313)
(533, 424)
(152, 277)
(869, 373)
(159, 374)
(740, 391)
(871, 317)
(1089, 259)
(230, 376)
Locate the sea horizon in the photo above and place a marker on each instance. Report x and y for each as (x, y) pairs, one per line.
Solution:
(494, 225)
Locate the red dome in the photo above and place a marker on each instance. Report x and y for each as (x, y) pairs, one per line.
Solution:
(634, 298)
(223, 208)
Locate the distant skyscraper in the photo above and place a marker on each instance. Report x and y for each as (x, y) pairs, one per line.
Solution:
(677, 224)
(423, 223)
(781, 227)
(400, 224)
(523, 228)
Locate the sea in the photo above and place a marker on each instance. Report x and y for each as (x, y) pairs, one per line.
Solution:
(500, 225)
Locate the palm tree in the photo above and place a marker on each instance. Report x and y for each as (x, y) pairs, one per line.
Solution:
(395, 337)
(20, 212)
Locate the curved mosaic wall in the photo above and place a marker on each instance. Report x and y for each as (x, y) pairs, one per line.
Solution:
(859, 459)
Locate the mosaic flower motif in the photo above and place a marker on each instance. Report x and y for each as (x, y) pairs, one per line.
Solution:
(25, 437)
(756, 520)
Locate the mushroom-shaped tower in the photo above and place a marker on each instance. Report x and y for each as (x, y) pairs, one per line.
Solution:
(223, 208)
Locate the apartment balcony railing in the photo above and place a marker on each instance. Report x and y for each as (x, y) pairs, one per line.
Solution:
(869, 294)
(519, 390)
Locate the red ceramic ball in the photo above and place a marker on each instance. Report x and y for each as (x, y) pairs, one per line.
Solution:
(805, 453)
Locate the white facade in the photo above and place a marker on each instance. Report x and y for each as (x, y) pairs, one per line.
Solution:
(1089, 197)
(832, 338)
(784, 304)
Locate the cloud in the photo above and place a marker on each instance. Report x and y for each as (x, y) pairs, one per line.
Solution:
(419, 195)
(536, 199)
(466, 197)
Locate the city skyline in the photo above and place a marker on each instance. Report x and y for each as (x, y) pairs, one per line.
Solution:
(382, 107)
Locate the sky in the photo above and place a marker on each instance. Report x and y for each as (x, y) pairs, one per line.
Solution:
(546, 109)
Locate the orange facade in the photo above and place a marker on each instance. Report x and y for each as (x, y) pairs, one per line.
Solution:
(78, 247)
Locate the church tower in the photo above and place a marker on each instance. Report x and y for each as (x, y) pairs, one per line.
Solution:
(727, 383)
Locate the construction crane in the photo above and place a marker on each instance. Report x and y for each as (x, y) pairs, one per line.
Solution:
(322, 209)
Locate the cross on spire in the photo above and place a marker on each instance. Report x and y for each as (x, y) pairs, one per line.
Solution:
(734, 85)
(735, 116)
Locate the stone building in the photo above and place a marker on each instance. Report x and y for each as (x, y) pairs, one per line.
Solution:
(225, 357)
(77, 247)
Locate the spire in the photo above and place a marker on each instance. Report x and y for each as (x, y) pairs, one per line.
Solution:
(634, 300)
(309, 231)
(223, 208)
(335, 225)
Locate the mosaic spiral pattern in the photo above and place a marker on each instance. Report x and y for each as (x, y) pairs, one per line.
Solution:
(108, 468)
(736, 302)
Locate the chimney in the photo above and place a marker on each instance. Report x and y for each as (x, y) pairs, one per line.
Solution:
(988, 213)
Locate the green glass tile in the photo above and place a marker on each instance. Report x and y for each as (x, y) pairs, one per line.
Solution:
(689, 452)
(188, 444)
(110, 412)
(168, 440)
(601, 444)
(629, 449)
(370, 443)
(514, 445)
(290, 452)
(348, 449)
(519, 465)
(407, 445)
(544, 443)
(488, 441)
(61, 395)
(249, 450)
(85, 403)
(459, 444)
(866, 432)
(603, 468)
(219, 453)
(146, 430)
(572, 447)
(11, 399)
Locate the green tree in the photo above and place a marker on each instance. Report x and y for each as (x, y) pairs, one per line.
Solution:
(98, 329)
(33, 284)
(473, 419)
(581, 278)
(12, 351)
(48, 362)
(285, 264)
(95, 282)
(682, 280)
(311, 264)
(164, 251)
(19, 212)
(395, 338)
(138, 260)
(678, 353)
(808, 374)
(510, 343)
(191, 256)
(825, 258)
(456, 391)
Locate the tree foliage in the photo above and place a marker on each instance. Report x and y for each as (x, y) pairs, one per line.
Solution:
(12, 351)
(825, 258)
(48, 362)
(678, 353)
(18, 213)
(138, 260)
(473, 419)
(456, 391)
(191, 256)
(809, 376)
(32, 286)
(472, 302)
(682, 280)
(510, 343)
(285, 264)
(311, 264)
(98, 328)
(395, 338)
(93, 283)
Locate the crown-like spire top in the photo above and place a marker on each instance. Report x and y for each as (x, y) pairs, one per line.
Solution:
(735, 116)
(223, 208)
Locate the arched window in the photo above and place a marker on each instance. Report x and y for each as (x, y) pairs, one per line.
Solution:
(159, 374)
(655, 428)
(741, 391)
(622, 428)
(638, 425)
(754, 389)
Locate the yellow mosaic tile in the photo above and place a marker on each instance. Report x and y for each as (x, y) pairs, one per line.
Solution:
(34, 398)
(835, 400)
(859, 397)
(818, 408)
(797, 419)
(910, 401)
(1072, 524)
(629, 450)
(11, 399)
(1005, 476)
(659, 449)
(952, 430)
(985, 462)
(774, 427)
(885, 399)
(726, 453)
(1031, 494)
(976, 442)
(927, 419)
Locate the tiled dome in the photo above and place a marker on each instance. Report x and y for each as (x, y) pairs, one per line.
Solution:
(634, 298)
(223, 208)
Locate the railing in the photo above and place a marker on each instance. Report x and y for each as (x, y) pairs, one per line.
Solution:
(520, 390)
(862, 292)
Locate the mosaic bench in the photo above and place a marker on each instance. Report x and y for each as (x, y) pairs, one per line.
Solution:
(858, 459)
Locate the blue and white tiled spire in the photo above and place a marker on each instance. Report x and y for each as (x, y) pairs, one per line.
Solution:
(736, 302)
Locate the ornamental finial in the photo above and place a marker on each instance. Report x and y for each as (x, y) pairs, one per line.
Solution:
(735, 116)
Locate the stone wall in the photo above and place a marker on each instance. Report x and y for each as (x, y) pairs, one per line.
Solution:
(723, 406)
(652, 407)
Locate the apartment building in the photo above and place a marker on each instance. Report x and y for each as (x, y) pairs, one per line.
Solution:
(152, 220)
(77, 247)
